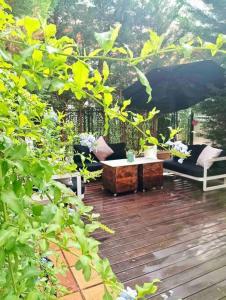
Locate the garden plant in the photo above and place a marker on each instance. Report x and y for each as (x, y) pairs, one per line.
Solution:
(36, 143)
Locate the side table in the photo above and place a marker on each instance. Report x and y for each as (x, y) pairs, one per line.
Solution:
(119, 176)
(150, 175)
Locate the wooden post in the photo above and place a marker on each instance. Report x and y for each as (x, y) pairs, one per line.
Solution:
(191, 128)
(80, 119)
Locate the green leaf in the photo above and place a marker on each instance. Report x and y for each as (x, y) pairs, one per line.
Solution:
(16, 152)
(144, 81)
(107, 99)
(107, 39)
(187, 50)
(105, 71)
(6, 234)
(107, 295)
(27, 52)
(5, 55)
(37, 55)
(4, 109)
(152, 140)
(153, 45)
(23, 120)
(87, 272)
(30, 24)
(2, 257)
(81, 73)
(50, 30)
(125, 104)
(2, 87)
(56, 85)
(173, 132)
(10, 198)
(48, 214)
(147, 49)
(33, 296)
(84, 264)
(221, 40)
(37, 209)
(212, 47)
(89, 228)
(94, 52)
(147, 289)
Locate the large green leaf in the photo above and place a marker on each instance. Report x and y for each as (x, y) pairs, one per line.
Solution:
(50, 30)
(12, 201)
(5, 234)
(4, 109)
(144, 81)
(81, 73)
(30, 24)
(106, 40)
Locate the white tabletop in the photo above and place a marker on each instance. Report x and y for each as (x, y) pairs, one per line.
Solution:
(64, 176)
(124, 162)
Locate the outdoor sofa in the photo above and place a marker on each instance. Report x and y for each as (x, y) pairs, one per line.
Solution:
(91, 162)
(189, 169)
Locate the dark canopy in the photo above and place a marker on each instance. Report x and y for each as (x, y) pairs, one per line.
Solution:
(177, 87)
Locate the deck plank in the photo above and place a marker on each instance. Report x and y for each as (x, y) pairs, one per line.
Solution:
(177, 234)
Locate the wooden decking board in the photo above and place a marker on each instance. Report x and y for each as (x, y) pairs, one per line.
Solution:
(161, 240)
(163, 253)
(216, 291)
(177, 234)
(181, 224)
(172, 207)
(169, 267)
(177, 209)
(164, 230)
(163, 248)
(195, 284)
(156, 222)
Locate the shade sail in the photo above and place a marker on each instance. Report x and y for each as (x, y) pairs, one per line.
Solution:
(177, 87)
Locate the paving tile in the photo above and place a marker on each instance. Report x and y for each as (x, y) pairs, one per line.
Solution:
(94, 293)
(83, 284)
(70, 258)
(67, 279)
(74, 296)
(53, 246)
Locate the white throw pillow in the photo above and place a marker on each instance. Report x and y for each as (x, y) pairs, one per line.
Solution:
(102, 150)
(208, 153)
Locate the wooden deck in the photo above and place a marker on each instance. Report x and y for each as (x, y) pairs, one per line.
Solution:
(177, 234)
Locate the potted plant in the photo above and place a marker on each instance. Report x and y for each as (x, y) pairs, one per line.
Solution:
(150, 151)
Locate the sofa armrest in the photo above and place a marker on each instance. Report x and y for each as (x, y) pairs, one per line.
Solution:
(222, 158)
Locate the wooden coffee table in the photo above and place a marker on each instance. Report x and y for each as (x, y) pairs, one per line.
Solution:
(121, 176)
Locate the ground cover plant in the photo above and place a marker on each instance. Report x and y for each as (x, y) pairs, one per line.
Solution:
(35, 144)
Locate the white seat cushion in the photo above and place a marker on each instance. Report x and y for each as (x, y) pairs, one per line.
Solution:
(208, 153)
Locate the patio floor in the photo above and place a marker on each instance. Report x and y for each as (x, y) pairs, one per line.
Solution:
(177, 234)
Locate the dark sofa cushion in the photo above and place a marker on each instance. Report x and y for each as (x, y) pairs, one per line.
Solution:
(78, 149)
(195, 152)
(119, 151)
(91, 166)
(188, 168)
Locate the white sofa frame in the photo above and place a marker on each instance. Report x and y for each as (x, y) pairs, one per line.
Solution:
(69, 176)
(205, 177)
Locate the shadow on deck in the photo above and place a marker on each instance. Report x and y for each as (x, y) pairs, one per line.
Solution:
(177, 234)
